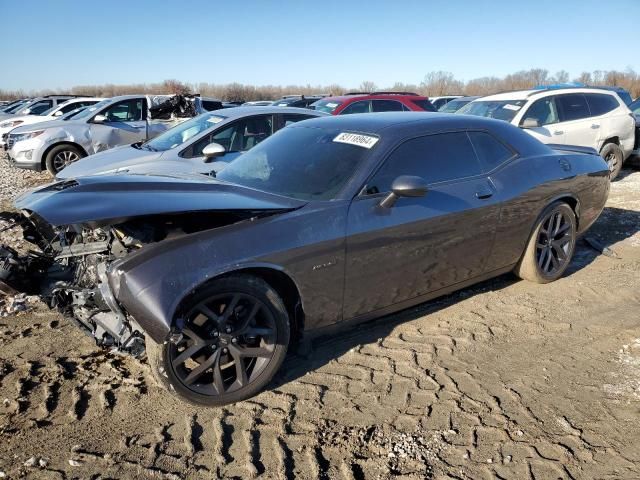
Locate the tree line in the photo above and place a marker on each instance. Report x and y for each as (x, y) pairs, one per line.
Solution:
(433, 84)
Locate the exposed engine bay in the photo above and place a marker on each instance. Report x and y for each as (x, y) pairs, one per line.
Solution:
(67, 266)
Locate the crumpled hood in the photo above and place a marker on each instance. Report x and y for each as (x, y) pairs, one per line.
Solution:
(109, 161)
(108, 199)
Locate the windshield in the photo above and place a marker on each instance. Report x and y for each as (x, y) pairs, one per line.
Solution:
(500, 109)
(93, 109)
(179, 134)
(71, 114)
(300, 162)
(17, 107)
(49, 111)
(11, 106)
(327, 106)
(453, 106)
(635, 107)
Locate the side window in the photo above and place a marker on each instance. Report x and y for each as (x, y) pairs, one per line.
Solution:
(386, 106)
(40, 107)
(436, 158)
(543, 110)
(357, 107)
(572, 107)
(601, 103)
(210, 105)
(490, 150)
(289, 118)
(237, 137)
(125, 111)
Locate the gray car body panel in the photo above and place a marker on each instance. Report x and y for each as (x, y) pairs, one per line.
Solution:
(135, 160)
(350, 259)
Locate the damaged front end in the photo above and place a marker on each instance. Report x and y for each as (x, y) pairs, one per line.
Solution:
(68, 270)
(77, 228)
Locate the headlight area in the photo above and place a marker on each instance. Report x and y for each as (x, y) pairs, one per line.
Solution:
(21, 137)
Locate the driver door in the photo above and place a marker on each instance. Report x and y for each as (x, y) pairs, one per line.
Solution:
(545, 112)
(126, 123)
(424, 244)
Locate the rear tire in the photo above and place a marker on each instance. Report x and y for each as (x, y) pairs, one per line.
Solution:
(614, 156)
(234, 340)
(551, 245)
(61, 156)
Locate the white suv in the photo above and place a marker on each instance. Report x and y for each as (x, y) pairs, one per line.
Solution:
(586, 117)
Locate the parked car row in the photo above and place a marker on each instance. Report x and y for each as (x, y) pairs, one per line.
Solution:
(50, 141)
(590, 117)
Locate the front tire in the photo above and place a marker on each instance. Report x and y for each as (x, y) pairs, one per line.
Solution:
(551, 245)
(235, 338)
(614, 156)
(62, 156)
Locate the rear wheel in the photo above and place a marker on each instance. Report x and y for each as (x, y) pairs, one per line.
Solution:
(235, 338)
(551, 245)
(614, 156)
(62, 156)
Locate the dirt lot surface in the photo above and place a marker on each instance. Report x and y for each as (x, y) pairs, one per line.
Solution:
(503, 380)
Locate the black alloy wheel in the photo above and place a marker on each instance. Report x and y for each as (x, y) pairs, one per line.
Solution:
(227, 342)
(554, 244)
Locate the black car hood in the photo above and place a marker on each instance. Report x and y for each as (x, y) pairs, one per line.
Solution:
(108, 199)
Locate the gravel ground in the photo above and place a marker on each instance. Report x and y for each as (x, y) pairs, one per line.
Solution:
(506, 379)
(14, 181)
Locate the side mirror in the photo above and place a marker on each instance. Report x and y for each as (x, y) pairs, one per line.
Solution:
(530, 123)
(405, 186)
(58, 113)
(213, 150)
(26, 111)
(99, 119)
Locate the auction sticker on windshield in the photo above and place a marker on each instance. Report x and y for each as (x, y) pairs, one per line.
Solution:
(356, 139)
(215, 119)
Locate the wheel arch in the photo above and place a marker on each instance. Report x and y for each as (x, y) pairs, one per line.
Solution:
(614, 139)
(43, 160)
(276, 277)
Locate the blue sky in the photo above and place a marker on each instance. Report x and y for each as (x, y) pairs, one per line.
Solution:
(58, 44)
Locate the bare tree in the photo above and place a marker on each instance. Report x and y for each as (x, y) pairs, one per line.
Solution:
(440, 83)
(433, 84)
(368, 86)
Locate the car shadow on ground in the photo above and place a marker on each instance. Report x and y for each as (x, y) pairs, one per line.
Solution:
(323, 349)
(613, 226)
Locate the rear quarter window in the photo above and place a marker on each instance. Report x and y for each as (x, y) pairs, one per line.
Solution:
(601, 103)
(490, 151)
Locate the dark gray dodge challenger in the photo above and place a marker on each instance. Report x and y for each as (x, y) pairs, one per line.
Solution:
(328, 222)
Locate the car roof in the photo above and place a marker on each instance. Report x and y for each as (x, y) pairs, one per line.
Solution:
(246, 110)
(396, 126)
(376, 123)
(375, 96)
(536, 93)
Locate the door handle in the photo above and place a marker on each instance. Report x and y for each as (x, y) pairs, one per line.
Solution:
(595, 126)
(558, 132)
(484, 193)
(565, 164)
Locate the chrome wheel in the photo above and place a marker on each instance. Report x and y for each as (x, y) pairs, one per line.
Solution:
(227, 342)
(64, 158)
(554, 243)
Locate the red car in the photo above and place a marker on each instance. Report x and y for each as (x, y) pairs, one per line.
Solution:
(374, 102)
